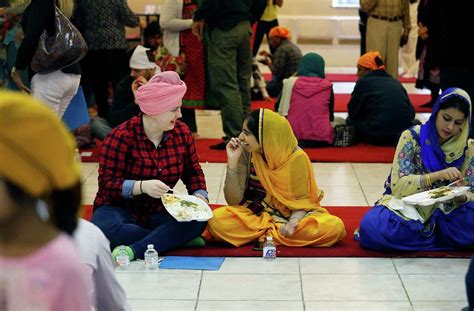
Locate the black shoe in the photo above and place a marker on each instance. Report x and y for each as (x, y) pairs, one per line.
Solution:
(427, 105)
(258, 246)
(219, 146)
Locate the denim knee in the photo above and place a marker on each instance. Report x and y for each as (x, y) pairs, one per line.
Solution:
(107, 218)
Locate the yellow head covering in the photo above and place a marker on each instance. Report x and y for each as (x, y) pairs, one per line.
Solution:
(284, 170)
(36, 150)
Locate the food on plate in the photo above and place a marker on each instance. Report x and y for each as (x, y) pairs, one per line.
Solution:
(183, 209)
(440, 192)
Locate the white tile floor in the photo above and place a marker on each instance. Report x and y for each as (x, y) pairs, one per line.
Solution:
(299, 283)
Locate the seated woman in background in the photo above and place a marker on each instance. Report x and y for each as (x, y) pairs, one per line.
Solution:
(427, 157)
(40, 196)
(379, 109)
(307, 100)
(271, 190)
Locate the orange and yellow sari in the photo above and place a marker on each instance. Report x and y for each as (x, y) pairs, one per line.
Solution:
(286, 174)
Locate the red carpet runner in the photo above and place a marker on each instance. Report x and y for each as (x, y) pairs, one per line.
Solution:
(91, 154)
(357, 153)
(350, 215)
(343, 77)
(341, 101)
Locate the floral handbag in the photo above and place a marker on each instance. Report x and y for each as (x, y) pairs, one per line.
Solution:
(64, 48)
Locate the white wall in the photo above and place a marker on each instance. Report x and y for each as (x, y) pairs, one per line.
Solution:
(307, 29)
(290, 7)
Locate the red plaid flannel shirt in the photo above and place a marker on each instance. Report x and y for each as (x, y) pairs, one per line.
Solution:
(127, 154)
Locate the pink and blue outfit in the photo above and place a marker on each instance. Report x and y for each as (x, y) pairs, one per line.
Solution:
(393, 225)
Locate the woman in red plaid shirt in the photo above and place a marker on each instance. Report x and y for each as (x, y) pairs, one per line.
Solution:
(140, 161)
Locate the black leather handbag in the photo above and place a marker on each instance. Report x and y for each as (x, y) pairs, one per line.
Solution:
(64, 48)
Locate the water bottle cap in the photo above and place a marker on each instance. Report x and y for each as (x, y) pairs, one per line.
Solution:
(122, 246)
(269, 238)
(150, 246)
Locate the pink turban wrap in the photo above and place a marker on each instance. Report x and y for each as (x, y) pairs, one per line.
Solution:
(161, 94)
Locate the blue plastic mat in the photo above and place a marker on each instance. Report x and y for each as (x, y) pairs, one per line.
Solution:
(191, 263)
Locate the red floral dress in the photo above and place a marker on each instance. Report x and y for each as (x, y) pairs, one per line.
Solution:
(193, 51)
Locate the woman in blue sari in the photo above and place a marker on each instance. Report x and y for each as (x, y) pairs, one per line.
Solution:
(427, 157)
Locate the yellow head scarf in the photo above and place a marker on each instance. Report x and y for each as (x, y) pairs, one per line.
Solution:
(36, 150)
(284, 170)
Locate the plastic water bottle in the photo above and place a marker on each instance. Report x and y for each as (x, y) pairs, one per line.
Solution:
(123, 261)
(151, 258)
(269, 249)
(78, 155)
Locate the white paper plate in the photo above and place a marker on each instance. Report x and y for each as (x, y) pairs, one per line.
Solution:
(183, 213)
(425, 198)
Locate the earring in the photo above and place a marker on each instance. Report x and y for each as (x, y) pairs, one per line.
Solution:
(42, 210)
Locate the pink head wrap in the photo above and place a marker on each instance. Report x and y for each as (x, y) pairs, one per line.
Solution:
(162, 93)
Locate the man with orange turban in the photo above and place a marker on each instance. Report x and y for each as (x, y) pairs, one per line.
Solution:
(141, 160)
(379, 108)
(370, 61)
(285, 61)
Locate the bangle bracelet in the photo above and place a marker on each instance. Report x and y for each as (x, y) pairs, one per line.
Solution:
(141, 191)
(427, 181)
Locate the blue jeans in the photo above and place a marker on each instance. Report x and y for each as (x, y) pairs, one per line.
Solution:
(165, 232)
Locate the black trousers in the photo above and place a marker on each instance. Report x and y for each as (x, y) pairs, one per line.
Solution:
(100, 68)
(263, 28)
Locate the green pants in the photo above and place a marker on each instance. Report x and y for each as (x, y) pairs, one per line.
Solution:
(230, 67)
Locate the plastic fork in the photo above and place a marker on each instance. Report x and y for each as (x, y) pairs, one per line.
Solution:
(455, 182)
(177, 192)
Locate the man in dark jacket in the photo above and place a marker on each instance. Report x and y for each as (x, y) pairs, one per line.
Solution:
(379, 109)
(124, 106)
(229, 56)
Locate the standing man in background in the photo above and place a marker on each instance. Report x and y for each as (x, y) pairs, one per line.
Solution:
(388, 27)
(456, 63)
(229, 56)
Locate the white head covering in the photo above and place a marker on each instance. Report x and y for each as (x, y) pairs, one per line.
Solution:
(140, 60)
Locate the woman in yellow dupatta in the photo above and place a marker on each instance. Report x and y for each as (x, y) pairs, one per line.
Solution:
(271, 189)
